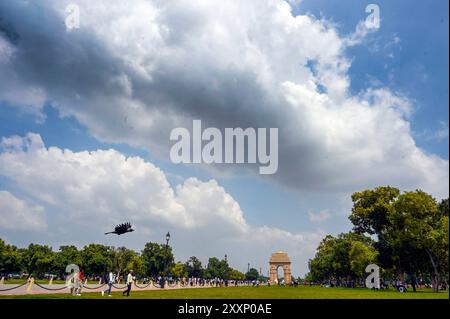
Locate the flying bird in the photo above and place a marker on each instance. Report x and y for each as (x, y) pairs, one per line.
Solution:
(121, 229)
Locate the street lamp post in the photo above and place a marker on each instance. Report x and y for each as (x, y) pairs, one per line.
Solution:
(167, 253)
(225, 275)
(165, 274)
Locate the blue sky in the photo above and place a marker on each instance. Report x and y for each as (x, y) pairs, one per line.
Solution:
(419, 66)
(408, 56)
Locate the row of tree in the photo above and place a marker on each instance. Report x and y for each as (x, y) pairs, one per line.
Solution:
(404, 233)
(96, 260)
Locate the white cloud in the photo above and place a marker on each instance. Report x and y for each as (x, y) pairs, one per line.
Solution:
(88, 192)
(320, 216)
(360, 33)
(17, 214)
(132, 73)
(441, 133)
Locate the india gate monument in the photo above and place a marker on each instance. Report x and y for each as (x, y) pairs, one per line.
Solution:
(280, 259)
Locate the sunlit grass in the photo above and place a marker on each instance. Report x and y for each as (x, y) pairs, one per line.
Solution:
(275, 292)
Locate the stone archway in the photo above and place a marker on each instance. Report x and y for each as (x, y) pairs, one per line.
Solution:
(280, 259)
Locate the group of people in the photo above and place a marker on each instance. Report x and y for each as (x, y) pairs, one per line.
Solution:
(76, 283)
(218, 282)
(111, 279)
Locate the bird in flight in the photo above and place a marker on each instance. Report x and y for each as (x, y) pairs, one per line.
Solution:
(121, 229)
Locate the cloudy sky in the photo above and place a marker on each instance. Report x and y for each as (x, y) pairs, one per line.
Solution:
(86, 115)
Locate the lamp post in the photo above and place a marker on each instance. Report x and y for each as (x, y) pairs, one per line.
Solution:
(167, 238)
(225, 275)
(167, 253)
(165, 272)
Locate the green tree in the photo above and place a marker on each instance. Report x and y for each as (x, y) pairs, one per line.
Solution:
(443, 207)
(157, 258)
(418, 223)
(252, 274)
(370, 215)
(97, 259)
(138, 266)
(121, 259)
(10, 258)
(194, 267)
(178, 270)
(360, 256)
(236, 275)
(38, 259)
(216, 268)
(411, 228)
(371, 209)
(65, 256)
(341, 258)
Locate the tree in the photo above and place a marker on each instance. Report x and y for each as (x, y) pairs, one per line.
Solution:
(370, 215)
(65, 256)
(138, 266)
(194, 267)
(418, 223)
(178, 270)
(360, 256)
(10, 258)
(121, 259)
(216, 268)
(157, 258)
(341, 258)
(96, 259)
(236, 275)
(443, 207)
(411, 228)
(252, 274)
(371, 208)
(38, 259)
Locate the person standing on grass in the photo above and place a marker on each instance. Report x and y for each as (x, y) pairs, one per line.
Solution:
(110, 281)
(130, 280)
(74, 285)
(79, 283)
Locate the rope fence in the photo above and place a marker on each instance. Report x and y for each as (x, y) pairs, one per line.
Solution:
(143, 287)
(155, 283)
(50, 289)
(12, 288)
(93, 288)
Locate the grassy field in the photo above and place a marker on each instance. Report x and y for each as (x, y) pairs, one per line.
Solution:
(264, 292)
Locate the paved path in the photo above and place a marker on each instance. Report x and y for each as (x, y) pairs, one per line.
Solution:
(62, 289)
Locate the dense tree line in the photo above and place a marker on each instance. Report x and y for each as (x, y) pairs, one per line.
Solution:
(96, 259)
(404, 233)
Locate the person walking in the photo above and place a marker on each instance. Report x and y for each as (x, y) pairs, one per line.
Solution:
(78, 283)
(130, 280)
(110, 279)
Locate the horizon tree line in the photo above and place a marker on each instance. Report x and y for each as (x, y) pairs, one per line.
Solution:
(97, 259)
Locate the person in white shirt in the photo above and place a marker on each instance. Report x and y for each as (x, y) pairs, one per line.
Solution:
(130, 280)
(110, 281)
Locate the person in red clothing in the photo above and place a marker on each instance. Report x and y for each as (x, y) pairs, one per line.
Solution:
(79, 283)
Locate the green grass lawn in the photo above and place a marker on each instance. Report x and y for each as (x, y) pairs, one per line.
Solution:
(302, 292)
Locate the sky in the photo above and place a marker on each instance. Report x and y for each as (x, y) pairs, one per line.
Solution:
(86, 114)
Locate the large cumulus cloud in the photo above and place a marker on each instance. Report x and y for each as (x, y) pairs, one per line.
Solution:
(131, 73)
(20, 215)
(80, 195)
